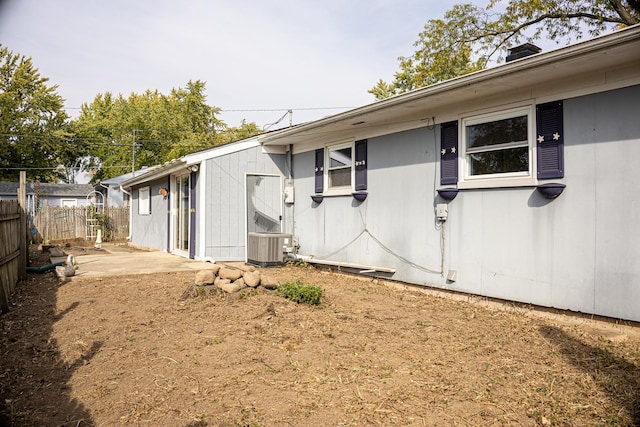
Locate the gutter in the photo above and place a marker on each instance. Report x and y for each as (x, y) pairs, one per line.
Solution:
(562, 54)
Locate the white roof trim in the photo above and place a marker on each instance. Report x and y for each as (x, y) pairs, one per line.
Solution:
(155, 172)
(222, 150)
(550, 58)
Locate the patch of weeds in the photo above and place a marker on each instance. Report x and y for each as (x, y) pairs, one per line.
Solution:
(246, 293)
(300, 292)
(297, 263)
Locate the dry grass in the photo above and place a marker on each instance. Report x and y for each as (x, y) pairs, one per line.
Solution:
(126, 351)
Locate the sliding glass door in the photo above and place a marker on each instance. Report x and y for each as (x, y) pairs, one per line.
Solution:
(181, 210)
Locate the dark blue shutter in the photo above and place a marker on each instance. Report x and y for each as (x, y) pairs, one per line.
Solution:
(550, 140)
(449, 153)
(319, 170)
(361, 164)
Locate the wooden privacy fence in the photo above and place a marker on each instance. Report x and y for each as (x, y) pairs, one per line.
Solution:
(11, 262)
(58, 223)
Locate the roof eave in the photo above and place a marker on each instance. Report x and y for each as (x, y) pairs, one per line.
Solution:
(155, 173)
(564, 54)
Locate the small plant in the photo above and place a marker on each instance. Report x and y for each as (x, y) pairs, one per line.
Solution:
(300, 292)
(298, 263)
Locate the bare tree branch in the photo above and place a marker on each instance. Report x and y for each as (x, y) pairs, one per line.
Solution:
(628, 18)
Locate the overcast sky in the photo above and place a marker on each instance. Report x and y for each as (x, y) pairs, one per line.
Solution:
(307, 55)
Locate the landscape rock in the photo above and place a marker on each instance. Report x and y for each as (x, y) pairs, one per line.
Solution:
(219, 282)
(252, 279)
(241, 282)
(232, 287)
(230, 273)
(215, 268)
(269, 283)
(246, 268)
(205, 277)
(56, 251)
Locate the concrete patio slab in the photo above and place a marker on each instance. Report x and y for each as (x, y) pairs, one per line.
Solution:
(117, 262)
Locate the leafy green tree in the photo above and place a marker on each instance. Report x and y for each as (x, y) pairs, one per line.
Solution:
(469, 37)
(33, 124)
(151, 128)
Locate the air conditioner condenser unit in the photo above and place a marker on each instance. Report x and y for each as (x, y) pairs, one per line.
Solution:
(267, 249)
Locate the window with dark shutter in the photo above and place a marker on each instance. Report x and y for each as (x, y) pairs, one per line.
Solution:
(550, 140)
(361, 164)
(319, 187)
(449, 153)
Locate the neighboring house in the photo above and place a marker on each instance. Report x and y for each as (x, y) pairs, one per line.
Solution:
(39, 194)
(458, 185)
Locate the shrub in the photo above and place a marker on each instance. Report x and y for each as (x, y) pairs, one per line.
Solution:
(300, 292)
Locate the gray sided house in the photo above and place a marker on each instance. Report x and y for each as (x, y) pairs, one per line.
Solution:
(515, 182)
(202, 205)
(39, 194)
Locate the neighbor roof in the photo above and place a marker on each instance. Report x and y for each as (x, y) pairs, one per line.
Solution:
(47, 189)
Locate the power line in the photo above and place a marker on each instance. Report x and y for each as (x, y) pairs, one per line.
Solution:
(251, 110)
(60, 167)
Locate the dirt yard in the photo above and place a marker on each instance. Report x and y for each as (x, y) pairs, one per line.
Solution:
(129, 351)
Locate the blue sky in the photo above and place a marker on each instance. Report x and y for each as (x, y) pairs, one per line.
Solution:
(253, 54)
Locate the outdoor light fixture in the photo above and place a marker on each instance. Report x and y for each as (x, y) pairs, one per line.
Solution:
(193, 168)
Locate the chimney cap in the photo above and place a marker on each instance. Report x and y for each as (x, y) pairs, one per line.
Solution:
(521, 51)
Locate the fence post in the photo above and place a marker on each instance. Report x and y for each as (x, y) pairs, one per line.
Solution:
(24, 250)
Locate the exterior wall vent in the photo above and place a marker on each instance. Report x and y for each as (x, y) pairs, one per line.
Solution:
(521, 51)
(267, 249)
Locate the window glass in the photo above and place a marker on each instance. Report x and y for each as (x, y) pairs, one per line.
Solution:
(501, 161)
(340, 163)
(498, 144)
(502, 131)
(144, 201)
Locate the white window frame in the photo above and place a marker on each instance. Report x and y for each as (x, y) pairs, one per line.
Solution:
(510, 179)
(344, 189)
(144, 202)
(69, 203)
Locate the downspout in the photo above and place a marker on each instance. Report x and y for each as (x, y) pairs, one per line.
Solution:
(130, 211)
